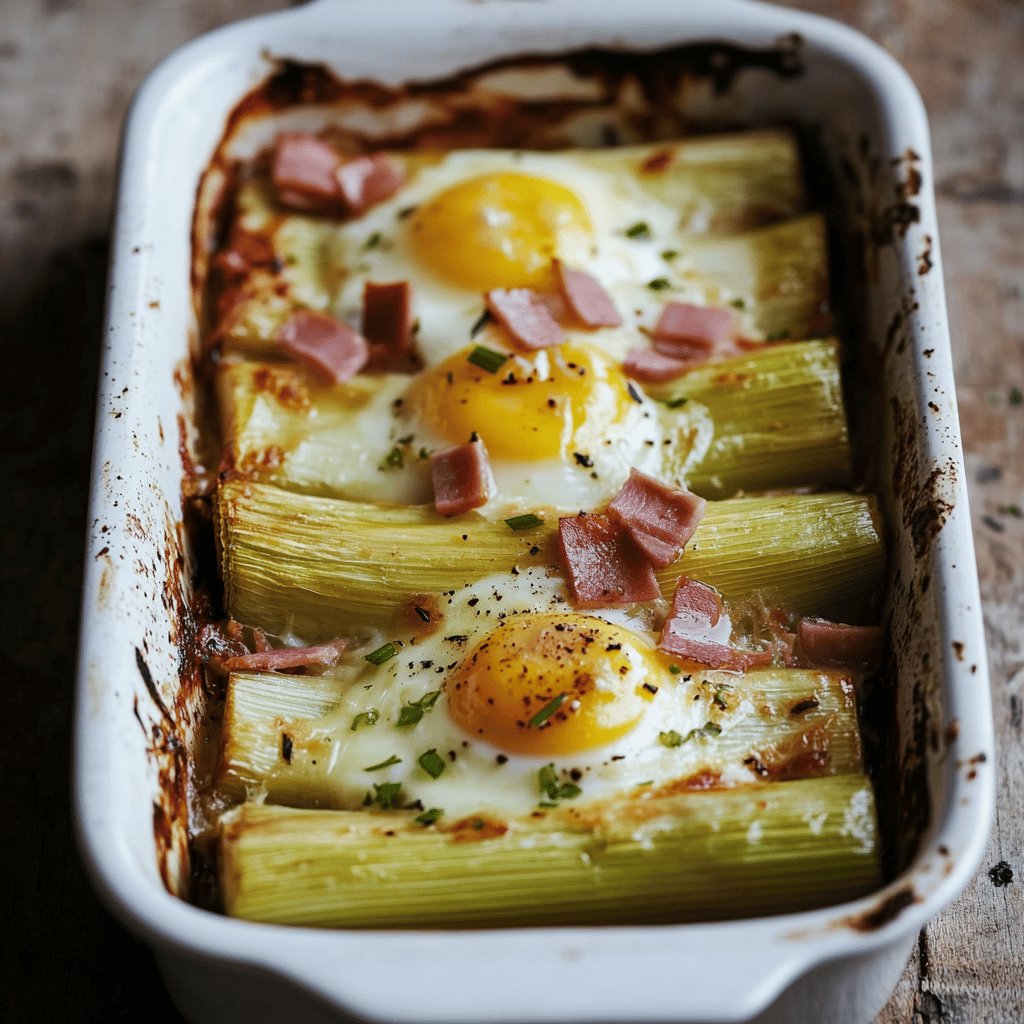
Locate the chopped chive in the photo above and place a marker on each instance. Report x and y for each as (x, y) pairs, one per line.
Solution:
(739, 304)
(569, 791)
(393, 759)
(395, 459)
(659, 284)
(646, 782)
(546, 712)
(674, 669)
(674, 403)
(547, 779)
(429, 816)
(711, 729)
(669, 254)
(638, 231)
(487, 359)
(373, 241)
(481, 322)
(1011, 510)
(410, 714)
(386, 794)
(414, 711)
(670, 738)
(382, 654)
(368, 717)
(1016, 396)
(524, 522)
(718, 700)
(432, 763)
(406, 211)
(547, 803)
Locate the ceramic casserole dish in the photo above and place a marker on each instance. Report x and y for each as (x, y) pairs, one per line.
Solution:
(138, 736)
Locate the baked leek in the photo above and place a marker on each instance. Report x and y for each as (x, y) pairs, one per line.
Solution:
(692, 856)
(317, 567)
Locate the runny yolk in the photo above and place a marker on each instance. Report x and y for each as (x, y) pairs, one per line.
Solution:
(552, 684)
(499, 230)
(532, 408)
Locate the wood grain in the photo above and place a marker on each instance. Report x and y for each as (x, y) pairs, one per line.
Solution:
(67, 70)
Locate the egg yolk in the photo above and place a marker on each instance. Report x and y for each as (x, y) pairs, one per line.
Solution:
(498, 230)
(553, 684)
(531, 408)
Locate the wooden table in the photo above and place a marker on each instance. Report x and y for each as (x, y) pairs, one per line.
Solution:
(67, 70)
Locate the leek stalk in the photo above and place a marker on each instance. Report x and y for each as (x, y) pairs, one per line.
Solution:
(319, 567)
(691, 856)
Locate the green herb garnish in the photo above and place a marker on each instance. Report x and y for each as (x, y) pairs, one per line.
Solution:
(659, 284)
(386, 794)
(481, 322)
(739, 304)
(639, 231)
(412, 712)
(432, 763)
(546, 712)
(1016, 396)
(393, 759)
(524, 522)
(373, 241)
(675, 739)
(487, 359)
(670, 254)
(547, 779)
(367, 717)
(674, 669)
(674, 403)
(718, 700)
(428, 817)
(1011, 510)
(395, 459)
(382, 654)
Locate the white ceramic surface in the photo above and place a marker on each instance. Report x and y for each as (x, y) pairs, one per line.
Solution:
(807, 966)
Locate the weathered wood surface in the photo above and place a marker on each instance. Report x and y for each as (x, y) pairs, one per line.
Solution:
(67, 70)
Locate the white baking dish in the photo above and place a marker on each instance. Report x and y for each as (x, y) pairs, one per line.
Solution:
(135, 713)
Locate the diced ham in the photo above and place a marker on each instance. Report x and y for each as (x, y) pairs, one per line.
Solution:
(330, 348)
(695, 605)
(462, 478)
(710, 653)
(684, 330)
(523, 314)
(309, 174)
(367, 180)
(585, 297)
(659, 518)
(286, 657)
(387, 325)
(603, 565)
(835, 644)
(697, 631)
(650, 367)
(304, 169)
